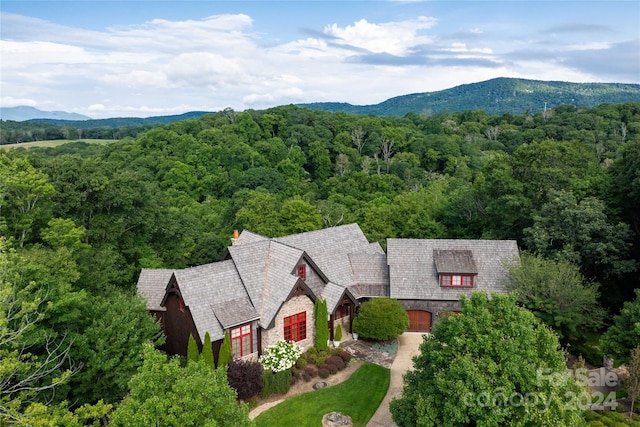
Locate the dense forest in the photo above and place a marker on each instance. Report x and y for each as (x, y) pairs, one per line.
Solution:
(79, 221)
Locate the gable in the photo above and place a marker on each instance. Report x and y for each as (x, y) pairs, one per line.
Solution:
(211, 292)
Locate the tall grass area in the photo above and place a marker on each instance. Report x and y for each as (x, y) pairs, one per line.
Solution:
(357, 397)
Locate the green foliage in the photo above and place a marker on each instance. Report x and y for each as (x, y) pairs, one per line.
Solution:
(226, 353)
(556, 292)
(580, 232)
(624, 334)
(338, 333)
(275, 382)
(508, 94)
(320, 316)
(473, 365)
(207, 351)
(165, 393)
(111, 355)
(193, 354)
(381, 319)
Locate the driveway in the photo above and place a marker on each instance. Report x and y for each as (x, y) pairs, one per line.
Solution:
(408, 346)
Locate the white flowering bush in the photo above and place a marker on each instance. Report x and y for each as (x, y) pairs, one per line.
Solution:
(281, 356)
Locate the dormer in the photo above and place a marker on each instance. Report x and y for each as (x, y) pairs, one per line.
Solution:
(455, 268)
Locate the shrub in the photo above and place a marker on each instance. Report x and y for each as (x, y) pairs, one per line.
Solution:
(333, 369)
(281, 356)
(346, 356)
(312, 359)
(276, 382)
(381, 319)
(311, 371)
(323, 373)
(336, 351)
(336, 361)
(245, 378)
(301, 363)
(338, 334)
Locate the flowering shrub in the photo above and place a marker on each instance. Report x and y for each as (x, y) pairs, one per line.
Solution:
(280, 356)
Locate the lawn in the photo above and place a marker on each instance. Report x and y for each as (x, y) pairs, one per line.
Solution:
(357, 397)
(56, 143)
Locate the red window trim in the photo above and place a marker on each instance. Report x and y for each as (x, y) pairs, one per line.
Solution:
(448, 280)
(302, 272)
(295, 327)
(237, 335)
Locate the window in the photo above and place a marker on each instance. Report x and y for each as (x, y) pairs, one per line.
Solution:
(241, 341)
(295, 327)
(464, 280)
(302, 272)
(343, 310)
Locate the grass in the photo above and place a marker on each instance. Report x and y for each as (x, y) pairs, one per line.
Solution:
(357, 397)
(56, 143)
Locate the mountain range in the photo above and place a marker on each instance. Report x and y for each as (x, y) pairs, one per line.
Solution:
(496, 96)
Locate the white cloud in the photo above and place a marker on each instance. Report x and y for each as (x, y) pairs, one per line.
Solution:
(8, 101)
(167, 66)
(391, 37)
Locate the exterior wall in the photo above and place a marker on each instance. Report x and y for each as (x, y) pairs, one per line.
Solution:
(313, 280)
(178, 325)
(436, 308)
(293, 306)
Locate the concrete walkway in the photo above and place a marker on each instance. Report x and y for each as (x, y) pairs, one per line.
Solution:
(408, 346)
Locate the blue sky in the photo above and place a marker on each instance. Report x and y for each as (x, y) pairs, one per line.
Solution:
(147, 58)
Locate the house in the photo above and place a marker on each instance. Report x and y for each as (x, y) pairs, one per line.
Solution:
(264, 289)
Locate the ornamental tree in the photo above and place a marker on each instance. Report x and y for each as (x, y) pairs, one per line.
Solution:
(493, 365)
(322, 329)
(381, 319)
(226, 352)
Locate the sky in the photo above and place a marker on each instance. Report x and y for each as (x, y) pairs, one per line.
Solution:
(148, 58)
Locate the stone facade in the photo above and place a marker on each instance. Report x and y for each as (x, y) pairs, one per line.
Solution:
(295, 305)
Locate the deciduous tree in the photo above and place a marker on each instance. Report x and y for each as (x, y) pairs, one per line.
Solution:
(493, 365)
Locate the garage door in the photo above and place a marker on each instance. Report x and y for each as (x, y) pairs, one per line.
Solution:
(419, 321)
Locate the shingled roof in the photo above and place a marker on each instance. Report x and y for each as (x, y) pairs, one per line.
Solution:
(152, 286)
(216, 297)
(330, 249)
(265, 268)
(413, 273)
(370, 275)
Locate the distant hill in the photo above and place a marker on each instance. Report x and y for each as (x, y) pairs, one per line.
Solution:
(118, 122)
(496, 96)
(22, 113)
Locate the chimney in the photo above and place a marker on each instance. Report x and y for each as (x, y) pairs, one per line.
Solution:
(234, 239)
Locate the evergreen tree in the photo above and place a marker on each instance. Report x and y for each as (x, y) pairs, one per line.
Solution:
(207, 351)
(322, 329)
(226, 353)
(193, 355)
